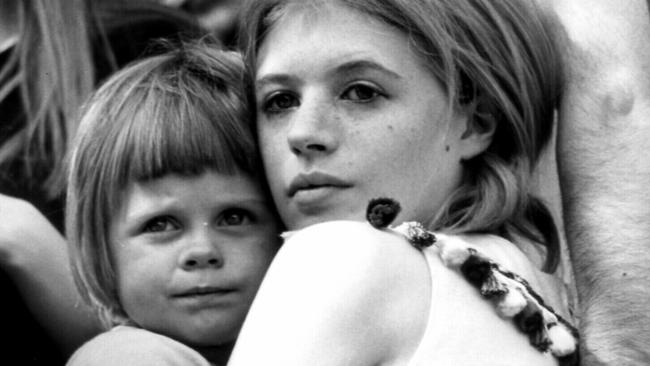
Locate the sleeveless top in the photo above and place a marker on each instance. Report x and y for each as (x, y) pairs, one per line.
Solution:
(465, 329)
(135, 346)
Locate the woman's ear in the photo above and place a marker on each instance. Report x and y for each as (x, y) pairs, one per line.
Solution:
(478, 134)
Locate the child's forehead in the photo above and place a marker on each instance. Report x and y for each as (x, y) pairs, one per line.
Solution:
(180, 177)
(208, 189)
(176, 181)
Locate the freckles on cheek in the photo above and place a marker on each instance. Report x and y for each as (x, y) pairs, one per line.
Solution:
(271, 145)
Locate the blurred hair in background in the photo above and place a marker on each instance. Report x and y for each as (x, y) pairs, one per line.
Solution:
(216, 16)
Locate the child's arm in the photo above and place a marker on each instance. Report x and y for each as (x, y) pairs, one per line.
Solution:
(35, 255)
(349, 301)
(603, 150)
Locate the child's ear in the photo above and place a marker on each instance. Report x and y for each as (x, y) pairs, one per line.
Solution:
(478, 134)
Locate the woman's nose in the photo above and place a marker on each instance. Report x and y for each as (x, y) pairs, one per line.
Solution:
(313, 130)
(201, 252)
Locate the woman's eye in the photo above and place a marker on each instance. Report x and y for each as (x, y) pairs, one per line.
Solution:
(160, 224)
(235, 217)
(361, 93)
(280, 102)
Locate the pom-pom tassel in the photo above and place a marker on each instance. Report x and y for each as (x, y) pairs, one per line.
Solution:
(512, 295)
(416, 234)
(562, 341)
(511, 303)
(480, 273)
(531, 322)
(452, 251)
(382, 211)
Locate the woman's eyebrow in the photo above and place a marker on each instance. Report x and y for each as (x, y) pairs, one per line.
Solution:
(269, 79)
(356, 66)
(346, 68)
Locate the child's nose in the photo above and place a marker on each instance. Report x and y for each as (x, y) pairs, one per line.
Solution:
(202, 252)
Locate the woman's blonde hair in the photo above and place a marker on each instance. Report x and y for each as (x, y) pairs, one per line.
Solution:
(497, 59)
(182, 112)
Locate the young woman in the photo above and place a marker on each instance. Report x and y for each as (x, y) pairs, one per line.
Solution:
(444, 106)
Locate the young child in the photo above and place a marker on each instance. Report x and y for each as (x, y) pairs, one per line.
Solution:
(169, 223)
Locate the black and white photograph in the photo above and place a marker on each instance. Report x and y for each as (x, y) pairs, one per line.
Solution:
(325, 182)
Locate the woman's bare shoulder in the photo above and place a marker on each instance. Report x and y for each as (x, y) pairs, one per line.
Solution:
(353, 256)
(338, 287)
(349, 242)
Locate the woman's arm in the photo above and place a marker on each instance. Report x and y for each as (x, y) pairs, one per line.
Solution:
(35, 256)
(337, 299)
(604, 166)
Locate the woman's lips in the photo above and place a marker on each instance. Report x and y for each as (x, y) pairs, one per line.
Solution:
(313, 182)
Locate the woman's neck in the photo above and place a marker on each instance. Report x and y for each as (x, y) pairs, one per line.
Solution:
(8, 23)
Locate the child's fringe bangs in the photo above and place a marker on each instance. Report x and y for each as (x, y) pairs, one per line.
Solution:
(183, 134)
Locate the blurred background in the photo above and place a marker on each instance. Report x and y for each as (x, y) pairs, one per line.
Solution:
(216, 16)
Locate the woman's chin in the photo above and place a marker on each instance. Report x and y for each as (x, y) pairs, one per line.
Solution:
(300, 221)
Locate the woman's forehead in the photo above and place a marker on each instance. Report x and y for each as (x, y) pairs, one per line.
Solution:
(338, 37)
(309, 13)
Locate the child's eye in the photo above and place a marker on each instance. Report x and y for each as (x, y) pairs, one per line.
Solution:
(160, 224)
(235, 217)
(361, 93)
(279, 102)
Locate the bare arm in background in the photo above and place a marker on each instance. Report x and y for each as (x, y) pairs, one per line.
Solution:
(604, 165)
(35, 255)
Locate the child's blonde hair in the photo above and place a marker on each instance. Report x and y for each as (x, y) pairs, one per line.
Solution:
(183, 112)
(499, 60)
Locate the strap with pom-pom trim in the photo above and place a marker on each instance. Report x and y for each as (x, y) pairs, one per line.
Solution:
(512, 295)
